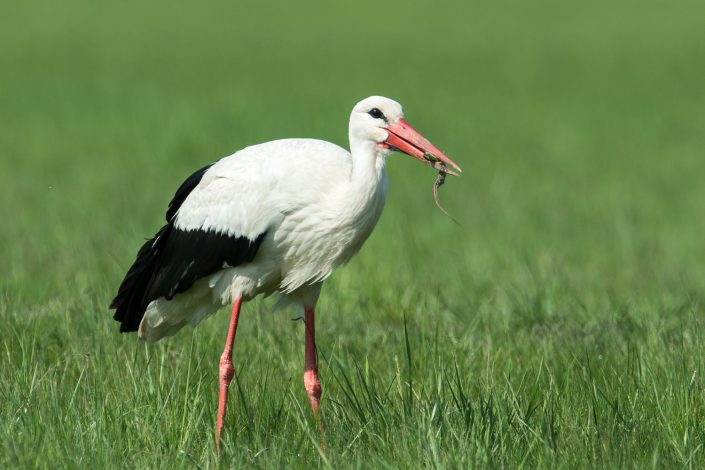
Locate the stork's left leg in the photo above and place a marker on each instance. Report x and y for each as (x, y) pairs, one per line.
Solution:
(227, 370)
(311, 382)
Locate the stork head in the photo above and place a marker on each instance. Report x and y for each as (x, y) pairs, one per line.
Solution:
(380, 121)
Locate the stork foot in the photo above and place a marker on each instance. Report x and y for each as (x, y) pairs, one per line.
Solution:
(313, 388)
(227, 372)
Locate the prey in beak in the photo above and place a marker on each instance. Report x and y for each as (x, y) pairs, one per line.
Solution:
(406, 139)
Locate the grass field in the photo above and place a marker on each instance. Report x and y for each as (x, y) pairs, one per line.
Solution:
(561, 326)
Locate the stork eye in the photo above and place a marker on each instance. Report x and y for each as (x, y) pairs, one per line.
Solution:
(376, 113)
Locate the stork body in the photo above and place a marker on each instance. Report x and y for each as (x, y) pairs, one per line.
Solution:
(298, 202)
(274, 217)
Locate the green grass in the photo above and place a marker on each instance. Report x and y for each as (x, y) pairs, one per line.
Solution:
(561, 326)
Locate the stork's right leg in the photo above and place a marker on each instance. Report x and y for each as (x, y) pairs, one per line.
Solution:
(227, 371)
(311, 382)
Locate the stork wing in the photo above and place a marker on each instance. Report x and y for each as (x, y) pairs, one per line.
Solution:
(181, 253)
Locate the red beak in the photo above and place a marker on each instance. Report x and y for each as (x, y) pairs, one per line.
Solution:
(406, 139)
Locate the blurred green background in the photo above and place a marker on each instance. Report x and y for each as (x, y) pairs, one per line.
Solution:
(561, 325)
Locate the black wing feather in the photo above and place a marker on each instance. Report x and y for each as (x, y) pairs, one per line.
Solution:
(171, 261)
(184, 190)
(191, 255)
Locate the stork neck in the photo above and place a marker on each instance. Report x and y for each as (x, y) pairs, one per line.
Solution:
(368, 162)
(368, 184)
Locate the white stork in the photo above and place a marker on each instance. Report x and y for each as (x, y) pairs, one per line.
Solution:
(274, 217)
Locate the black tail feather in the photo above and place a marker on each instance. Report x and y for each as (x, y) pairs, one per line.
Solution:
(132, 298)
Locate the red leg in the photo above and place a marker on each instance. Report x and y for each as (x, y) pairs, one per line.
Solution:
(227, 371)
(313, 386)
